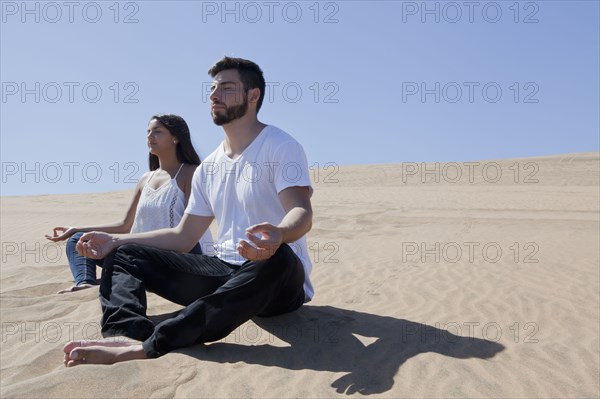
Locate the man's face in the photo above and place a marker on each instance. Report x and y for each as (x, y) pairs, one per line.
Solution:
(228, 101)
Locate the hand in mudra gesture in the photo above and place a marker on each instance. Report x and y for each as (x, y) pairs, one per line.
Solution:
(266, 238)
(61, 233)
(95, 245)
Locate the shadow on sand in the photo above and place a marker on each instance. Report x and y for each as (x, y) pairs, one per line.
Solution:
(324, 338)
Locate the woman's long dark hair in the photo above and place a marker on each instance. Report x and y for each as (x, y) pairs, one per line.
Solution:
(177, 126)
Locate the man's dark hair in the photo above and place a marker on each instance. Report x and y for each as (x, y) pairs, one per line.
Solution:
(250, 74)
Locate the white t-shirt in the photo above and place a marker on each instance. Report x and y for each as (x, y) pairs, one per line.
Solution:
(244, 191)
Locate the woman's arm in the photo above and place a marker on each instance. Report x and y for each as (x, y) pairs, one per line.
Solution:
(184, 180)
(120, 227)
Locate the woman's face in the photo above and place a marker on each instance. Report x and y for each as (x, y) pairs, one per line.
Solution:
(160, 140)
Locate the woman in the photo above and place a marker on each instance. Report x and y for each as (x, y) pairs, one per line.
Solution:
(160, 197)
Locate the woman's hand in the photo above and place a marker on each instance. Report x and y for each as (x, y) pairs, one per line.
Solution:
(66, 233)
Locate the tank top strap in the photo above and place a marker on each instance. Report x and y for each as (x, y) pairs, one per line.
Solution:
(178, 170)
(150, 178)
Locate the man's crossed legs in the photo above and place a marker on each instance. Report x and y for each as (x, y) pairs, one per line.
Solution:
(218, 297)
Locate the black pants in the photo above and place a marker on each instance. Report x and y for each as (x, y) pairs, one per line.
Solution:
(218, 296)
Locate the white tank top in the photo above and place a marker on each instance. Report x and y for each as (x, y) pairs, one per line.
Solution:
(163, 208)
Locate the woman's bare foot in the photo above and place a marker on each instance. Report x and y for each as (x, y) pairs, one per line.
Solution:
(76, 288)
(102, 352)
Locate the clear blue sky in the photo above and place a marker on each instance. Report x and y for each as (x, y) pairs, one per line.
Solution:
(354, 81)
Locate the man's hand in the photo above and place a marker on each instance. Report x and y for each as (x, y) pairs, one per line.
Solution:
(95, 245)
(265, 245)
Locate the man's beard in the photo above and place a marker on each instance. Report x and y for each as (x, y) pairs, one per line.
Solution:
(231, 113)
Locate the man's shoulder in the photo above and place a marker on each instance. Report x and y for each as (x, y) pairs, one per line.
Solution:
(213, 155)
(206, 165)
(277, 136)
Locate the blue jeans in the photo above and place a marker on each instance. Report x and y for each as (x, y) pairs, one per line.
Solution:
(84, 269)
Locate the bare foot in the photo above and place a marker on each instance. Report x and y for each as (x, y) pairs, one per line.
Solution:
(76, 288)
(102, 352)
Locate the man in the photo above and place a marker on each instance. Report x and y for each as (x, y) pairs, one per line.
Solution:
(256, 184)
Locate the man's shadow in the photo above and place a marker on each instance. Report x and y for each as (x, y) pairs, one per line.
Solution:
(324, 338)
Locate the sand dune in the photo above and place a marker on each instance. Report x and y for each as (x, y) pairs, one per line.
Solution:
(440, 280)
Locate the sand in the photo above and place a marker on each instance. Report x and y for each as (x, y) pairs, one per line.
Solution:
(479, 285)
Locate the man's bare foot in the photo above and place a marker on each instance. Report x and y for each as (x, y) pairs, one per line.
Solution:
(102, 352)
(76, 288)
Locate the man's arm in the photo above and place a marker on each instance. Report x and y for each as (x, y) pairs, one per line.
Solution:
(298, 219)
(296, 223)
(182, 238)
